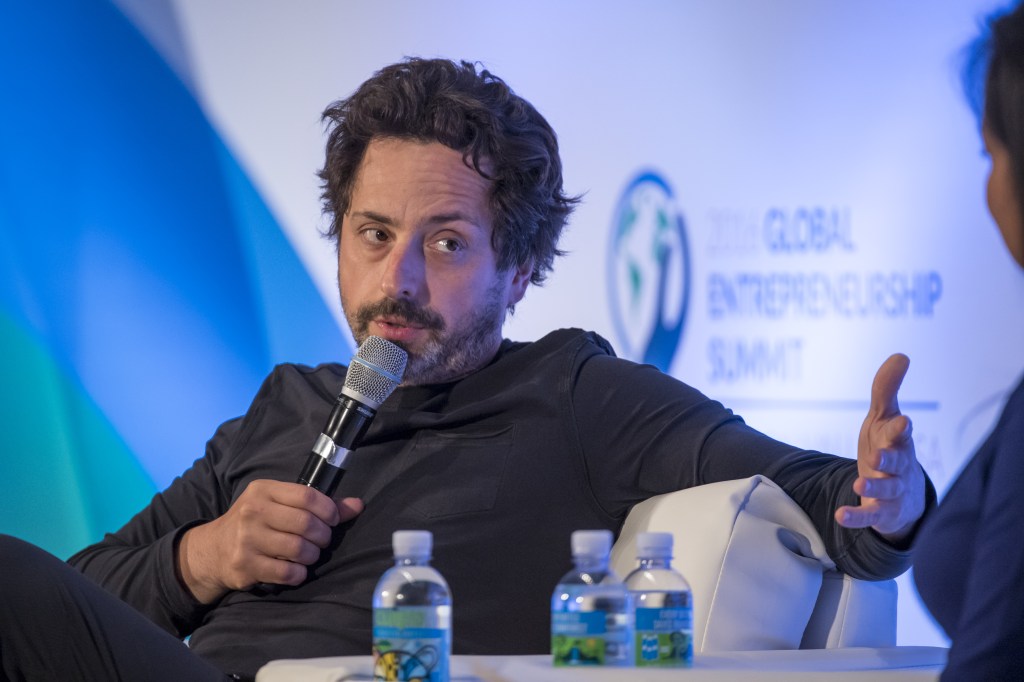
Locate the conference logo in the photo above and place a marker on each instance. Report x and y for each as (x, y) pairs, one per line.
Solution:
(648, 271)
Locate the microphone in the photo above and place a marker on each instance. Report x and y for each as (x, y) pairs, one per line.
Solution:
(372, 375)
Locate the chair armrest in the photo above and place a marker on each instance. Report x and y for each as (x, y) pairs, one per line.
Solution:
(756, 565)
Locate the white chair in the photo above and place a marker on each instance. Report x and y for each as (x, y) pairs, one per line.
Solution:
(760, 576)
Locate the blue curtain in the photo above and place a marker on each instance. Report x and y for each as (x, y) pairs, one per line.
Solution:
(145, 288)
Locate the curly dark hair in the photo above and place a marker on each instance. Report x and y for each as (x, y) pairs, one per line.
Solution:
(470, 111)
(994, 80)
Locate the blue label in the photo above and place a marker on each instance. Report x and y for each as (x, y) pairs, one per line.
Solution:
(664, 620)
(578, 623)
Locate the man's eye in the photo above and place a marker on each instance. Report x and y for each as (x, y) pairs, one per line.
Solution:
(375, 236)
(448, 245)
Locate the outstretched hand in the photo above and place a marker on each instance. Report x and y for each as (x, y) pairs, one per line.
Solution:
(891, 483)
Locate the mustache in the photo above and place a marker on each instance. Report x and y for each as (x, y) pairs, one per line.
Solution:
(404, 310)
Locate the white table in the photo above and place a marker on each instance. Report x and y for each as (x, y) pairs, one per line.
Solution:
(896, 664)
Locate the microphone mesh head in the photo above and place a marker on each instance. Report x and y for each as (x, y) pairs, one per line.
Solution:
(375, 371)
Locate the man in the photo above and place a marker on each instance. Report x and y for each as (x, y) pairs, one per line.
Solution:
(445, 193)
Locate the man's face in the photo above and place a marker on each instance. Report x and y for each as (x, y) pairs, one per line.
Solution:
(1003, 202)
(415, 262)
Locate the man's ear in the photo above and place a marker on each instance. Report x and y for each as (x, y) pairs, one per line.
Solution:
(520, 281)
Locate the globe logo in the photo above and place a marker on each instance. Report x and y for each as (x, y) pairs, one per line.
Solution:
(648, 271)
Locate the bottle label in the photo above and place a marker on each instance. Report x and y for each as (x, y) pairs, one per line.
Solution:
(664, 637)
(578, 638)
(410, 643)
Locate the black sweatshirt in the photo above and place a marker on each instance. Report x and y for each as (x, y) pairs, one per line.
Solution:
(550, 437)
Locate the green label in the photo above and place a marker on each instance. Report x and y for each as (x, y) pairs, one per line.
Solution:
(578, 638)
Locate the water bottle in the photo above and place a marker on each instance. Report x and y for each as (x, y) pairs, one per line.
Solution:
(591, 615)
(663, 604)
(412, 614)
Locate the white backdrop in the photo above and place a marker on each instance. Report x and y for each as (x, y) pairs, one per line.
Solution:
(757, 115)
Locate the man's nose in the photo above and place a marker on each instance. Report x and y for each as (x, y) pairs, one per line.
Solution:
(404, 272)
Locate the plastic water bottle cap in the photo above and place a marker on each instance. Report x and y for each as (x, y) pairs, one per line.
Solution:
(412, 543)
(591, 543)
(651, 545)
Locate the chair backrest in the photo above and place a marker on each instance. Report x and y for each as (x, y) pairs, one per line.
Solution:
(760, 576)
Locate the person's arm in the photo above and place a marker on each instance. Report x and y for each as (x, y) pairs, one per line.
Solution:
(137, 563)
(219, 527)
(644, 433)
(987, 639)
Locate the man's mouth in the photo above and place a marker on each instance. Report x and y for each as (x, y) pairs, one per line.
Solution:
(399, 330)
(397, 322)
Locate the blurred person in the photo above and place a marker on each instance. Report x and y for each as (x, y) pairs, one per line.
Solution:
(969, 561)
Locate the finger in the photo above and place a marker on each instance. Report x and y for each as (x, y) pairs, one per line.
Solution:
(271, 557)
(304, 497)
(888, 488)
(891, 431)
(885, 462)
(349, 508)
(300, 523)
(887, 384)
(277, 571)
(293, 548)
(897, 431)
(863, 516)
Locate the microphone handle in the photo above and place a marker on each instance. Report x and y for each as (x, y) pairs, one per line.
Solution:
(345, 426)
(320, 474)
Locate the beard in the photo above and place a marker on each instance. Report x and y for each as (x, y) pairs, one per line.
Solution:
(447, 354)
